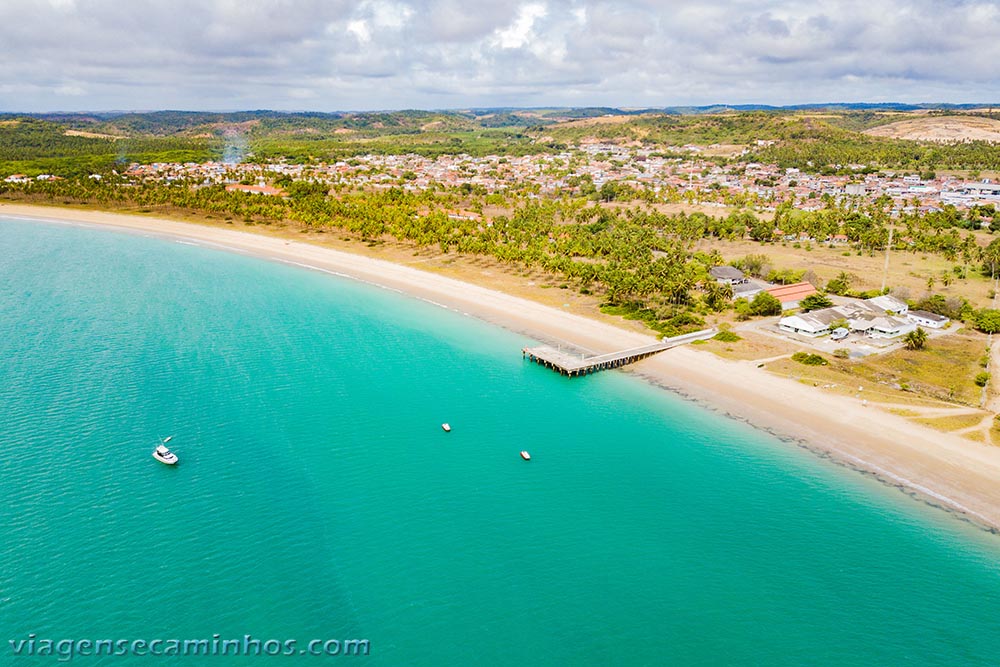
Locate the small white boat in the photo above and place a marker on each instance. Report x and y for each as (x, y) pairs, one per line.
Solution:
(447, 427)
(164, 455)
(525, 455)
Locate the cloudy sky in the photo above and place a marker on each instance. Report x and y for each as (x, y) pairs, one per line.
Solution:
(389, 54)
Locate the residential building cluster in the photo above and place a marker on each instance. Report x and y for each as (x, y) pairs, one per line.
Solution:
(880, 317)
(590, 166)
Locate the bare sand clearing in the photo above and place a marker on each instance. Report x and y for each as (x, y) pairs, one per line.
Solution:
(942, 469)
(945, 129)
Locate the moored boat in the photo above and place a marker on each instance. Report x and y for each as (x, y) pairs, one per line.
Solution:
(525, 455)
(447, 427)
(164, 455)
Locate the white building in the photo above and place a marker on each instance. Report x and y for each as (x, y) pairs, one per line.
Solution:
(875, 318)
(814, 324)
(923, 318)
(886, 326)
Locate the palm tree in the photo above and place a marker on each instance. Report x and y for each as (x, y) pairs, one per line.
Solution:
(718, 295)
(916, 339)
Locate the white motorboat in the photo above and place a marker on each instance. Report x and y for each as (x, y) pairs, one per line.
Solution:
(164, 455)
(447, 427)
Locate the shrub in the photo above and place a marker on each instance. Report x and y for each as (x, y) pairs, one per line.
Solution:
(727, 337)
(814, 302)
(842, 353)
(954, 307)
(754, 265)
(742, 308)
(988, 320)
(982, 379)
(809, 359)
(841, 283)
(765, 304)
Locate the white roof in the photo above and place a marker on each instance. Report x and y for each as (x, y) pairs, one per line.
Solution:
(806, 322)
(888, 323)
(925, 315)
(889, 302)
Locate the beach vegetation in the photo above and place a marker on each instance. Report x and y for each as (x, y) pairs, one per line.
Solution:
(944, 371)
(727, 337)
(665, 321)
(809, 359)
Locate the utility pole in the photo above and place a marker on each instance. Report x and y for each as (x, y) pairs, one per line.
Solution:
(885, 269)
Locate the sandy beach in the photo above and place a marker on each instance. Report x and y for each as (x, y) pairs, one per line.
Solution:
(945, 470)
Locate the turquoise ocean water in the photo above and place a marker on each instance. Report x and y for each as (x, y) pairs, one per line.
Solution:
(318, 498)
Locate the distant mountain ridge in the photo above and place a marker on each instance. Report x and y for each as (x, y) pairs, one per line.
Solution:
(194, 117)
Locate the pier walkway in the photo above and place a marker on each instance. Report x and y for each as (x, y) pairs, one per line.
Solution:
(571, 365)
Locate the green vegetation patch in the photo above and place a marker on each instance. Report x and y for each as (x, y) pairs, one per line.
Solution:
(727, 337)
(945, 370)
(809, 359)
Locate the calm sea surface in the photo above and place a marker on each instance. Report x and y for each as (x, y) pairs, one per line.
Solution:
(318, 498)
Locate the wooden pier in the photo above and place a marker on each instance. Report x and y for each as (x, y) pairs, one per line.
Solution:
(571, 365)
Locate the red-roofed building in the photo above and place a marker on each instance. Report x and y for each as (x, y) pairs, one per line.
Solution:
(790, 295)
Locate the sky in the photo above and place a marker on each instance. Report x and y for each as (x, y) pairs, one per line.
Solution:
(339, 55)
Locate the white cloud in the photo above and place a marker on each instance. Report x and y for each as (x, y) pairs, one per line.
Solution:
(360, 30)
(391, 15)
(519, 33)
(434, 53)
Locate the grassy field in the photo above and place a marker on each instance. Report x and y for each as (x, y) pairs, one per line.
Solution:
(908, 273)
(944, 370)
(751, 347)
(942, 373)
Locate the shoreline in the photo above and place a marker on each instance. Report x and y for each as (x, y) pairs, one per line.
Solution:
(940, 469)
